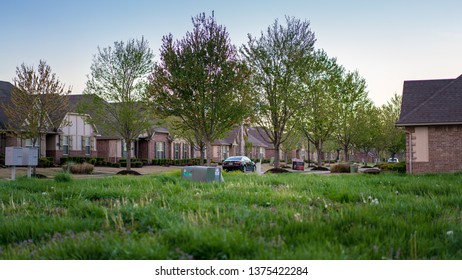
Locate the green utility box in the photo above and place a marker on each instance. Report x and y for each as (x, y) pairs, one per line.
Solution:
(202, 174)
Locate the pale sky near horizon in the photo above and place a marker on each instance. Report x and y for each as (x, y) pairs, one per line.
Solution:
(388, 42)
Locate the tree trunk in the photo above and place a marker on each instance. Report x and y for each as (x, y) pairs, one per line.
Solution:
(129, 155)
(345, 153)
(276, 156)
(34, 169)
(208, 145)
(319, 153)
(202, 154)
(241, 140)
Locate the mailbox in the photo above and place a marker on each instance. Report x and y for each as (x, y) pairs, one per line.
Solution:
(14, 156)
(30, 156)
(202, 174)
(19, 156)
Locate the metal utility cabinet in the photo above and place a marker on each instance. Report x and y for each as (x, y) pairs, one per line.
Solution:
(13, 156)
(202, 174)
(19, 156)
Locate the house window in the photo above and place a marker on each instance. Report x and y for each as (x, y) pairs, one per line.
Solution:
(160, 150)
(28, 143)
(185, 151)
(65, 145)
(87, 143)
(224, 152)
(176, 151)
(261, 152)
(124, 150)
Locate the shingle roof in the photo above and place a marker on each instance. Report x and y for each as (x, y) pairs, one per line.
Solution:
(229, 139)
(260, 134)
(431, 102)
(5, 94)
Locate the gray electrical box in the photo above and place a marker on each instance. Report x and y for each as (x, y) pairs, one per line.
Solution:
(13, 156)
(202, 174)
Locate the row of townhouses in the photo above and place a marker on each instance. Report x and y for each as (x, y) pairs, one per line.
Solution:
(82, 139)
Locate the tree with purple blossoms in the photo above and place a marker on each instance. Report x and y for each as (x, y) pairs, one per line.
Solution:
(201, 80)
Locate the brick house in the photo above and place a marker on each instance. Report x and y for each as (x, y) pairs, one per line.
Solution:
(230, 145)
(154, 145)
(431, 113)
(75, 139)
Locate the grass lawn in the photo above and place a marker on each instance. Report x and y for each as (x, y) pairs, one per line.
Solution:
(279, 216)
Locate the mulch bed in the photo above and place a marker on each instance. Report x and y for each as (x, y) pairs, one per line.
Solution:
(319, 168)
(277, 170)
(128, 172)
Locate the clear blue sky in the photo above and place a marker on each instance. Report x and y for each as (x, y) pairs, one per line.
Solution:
(386, 41)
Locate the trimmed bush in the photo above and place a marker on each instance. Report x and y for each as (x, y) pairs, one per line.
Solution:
(79, 168)
(340, 168)
(399, 167)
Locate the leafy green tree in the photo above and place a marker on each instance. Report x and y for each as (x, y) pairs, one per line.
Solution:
(117, 84)
(37, 105)
(176, 130)
(277, 58)
(394, 137)
(369, 130)
(201, 80)
(318, 108)
(352, 101)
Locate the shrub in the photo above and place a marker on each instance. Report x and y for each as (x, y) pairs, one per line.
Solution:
(79, 168)
(116, 165)
(397, 167)
(340, 168)
(45, 162)
(137, 164)
(63, 177)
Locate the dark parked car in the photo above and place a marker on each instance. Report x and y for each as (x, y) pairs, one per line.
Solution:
(238, 163)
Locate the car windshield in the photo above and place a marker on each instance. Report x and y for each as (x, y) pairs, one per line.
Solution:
(234, 159)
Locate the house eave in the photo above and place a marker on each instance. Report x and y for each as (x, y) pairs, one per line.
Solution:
(427, 124)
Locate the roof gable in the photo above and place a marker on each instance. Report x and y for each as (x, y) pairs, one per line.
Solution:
(431, 102)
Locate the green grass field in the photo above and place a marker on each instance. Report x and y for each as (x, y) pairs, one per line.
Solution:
(280, 216)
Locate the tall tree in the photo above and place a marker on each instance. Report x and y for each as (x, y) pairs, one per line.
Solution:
(201, 80)
(352, 100)
(368, 127)
(117, 83)
(318, 110)
(276, 59)
(395, 137)
(37, 103)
